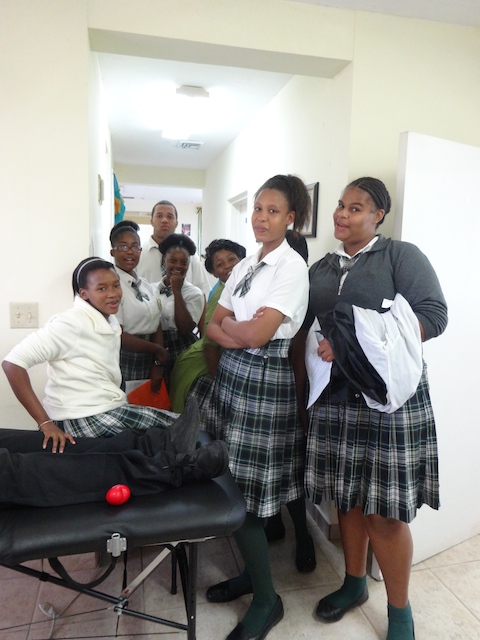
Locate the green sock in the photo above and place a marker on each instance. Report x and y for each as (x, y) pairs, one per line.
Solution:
(253, 546)
(400, 623)
(349, 592)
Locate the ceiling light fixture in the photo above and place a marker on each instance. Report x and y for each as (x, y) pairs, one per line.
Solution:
(192, 92)
(186, 114)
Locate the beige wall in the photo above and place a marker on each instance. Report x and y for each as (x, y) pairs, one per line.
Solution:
(44, 173)
(296, 133)
(100, 164)
(410, 75)
(269, 29)
(377, 76)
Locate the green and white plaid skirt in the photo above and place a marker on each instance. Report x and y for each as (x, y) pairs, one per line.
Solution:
(254, 410)
(135, 366)
(202, 391)
(386, 463)
(106, 425)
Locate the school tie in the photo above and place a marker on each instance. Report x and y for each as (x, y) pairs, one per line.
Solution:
(245, 283)
(139, 294)
(165, 289)
(347, 263)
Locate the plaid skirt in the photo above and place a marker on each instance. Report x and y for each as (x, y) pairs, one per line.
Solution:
(175, 343)
(254, 410)
(202, 391)
(106, 425)
(135, 366)
(386, 463)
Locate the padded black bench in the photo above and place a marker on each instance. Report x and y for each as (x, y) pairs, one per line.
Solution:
(178, 517)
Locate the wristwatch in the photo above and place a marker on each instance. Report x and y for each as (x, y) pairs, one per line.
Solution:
(157, 363)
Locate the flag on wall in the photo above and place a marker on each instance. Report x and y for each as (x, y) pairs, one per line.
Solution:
(119, 204)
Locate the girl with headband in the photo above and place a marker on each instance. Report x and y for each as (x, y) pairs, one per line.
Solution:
(81, 347)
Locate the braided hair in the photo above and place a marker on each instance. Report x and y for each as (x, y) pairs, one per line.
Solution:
(296, 194)
(376, 190)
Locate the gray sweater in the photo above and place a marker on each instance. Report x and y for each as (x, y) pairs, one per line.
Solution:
(390, 267)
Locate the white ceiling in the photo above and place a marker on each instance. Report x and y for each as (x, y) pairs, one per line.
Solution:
(132, 84)
(241, 93)
(465, 12)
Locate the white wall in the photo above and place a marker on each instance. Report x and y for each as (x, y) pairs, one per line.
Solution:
(43, 164)
(410, 75)
(439, 192)
(295, 133)
(100, 164)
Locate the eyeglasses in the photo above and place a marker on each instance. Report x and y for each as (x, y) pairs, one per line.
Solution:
(136, 248)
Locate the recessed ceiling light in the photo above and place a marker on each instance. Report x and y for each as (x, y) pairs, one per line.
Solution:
(192, 92)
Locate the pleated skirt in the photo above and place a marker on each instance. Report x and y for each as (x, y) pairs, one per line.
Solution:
(254, 410)
(387, 464)
(109, 423)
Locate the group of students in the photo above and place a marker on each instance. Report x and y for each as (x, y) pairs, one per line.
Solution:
(378, 465)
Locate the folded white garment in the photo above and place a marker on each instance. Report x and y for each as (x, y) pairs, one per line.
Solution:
(393, 345)
(318, 371)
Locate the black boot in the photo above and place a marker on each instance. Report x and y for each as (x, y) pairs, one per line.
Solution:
(184, 431)
(208, 461)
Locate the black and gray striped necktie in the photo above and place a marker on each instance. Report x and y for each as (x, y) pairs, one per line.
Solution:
(347, 263)
(139, 294)
(245, 283)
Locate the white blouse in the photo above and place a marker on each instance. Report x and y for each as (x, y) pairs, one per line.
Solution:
(194, 300)
(138, 317)
(282, 284)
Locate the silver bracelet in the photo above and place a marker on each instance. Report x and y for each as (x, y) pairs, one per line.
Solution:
(42, 423)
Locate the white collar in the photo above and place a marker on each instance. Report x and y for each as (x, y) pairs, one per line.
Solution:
(97, 318)
(272, 257)
(340, 251)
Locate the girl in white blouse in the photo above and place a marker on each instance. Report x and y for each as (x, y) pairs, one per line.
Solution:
(254, 406)
(182, 302)
(142, 354)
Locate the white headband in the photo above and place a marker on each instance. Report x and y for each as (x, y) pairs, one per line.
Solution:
(84, 265)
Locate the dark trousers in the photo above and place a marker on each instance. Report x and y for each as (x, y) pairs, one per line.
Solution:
(29, 475)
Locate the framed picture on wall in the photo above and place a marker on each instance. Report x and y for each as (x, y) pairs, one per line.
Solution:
(310, 229)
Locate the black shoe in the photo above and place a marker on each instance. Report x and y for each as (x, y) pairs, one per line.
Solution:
(184, 431)
(222, 592)
(329, 613)
(209, 461)
(242, 633)
(305, 558)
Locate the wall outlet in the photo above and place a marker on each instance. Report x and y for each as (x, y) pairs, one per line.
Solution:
(24, 315)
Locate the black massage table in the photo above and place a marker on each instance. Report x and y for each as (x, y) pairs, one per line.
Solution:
(178, 518)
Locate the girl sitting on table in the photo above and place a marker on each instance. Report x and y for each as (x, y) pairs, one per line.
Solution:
(82, 347)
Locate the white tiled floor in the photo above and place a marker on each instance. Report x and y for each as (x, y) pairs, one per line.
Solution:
(445, 596)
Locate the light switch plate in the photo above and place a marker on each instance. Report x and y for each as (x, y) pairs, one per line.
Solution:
(24, 315)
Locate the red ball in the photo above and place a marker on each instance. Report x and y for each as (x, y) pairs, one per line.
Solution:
(118, 494)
